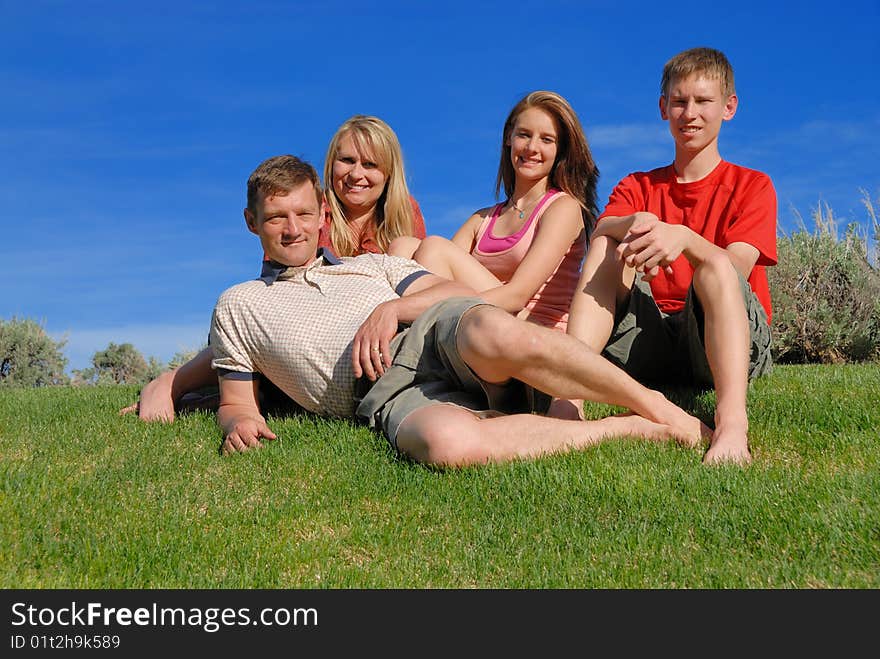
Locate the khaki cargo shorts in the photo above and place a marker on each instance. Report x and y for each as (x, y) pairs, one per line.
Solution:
(428, 370)
(655, 347)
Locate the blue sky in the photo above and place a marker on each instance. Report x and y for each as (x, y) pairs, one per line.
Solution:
(128, 129)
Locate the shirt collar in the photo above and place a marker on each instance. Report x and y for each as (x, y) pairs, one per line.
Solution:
(271, 270)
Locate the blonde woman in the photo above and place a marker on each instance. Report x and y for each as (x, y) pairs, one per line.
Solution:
(368, 203)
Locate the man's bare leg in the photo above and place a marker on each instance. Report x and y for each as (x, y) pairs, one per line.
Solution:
(452, 436)
(499, 347)
(726, 337)
(159, 396)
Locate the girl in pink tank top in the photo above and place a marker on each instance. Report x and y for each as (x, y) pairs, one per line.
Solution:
(524, 254)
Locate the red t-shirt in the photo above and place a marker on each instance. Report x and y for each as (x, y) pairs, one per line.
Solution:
(732, 204)
(368, 239)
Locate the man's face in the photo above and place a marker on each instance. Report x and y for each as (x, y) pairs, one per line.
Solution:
(288, 225)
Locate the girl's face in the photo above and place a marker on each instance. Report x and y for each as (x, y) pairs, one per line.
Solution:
(357, 179)
(533, 143)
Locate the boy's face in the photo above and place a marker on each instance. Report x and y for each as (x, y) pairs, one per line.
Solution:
(288, 225)
(695, 107)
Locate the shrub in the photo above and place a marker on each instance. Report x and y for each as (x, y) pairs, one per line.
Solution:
(826, 292)
(118, 364)
(183, 356)
(28, 356)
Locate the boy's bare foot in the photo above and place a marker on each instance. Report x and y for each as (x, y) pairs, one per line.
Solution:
(730, 444)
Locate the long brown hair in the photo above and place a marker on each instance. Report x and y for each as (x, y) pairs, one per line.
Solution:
(574, 170)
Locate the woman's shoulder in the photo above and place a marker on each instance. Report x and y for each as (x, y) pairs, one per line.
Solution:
(562, 203)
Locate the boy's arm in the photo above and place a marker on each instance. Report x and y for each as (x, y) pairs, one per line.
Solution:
(651, 245)
(239, 415)
(381, 325)
(617, 227)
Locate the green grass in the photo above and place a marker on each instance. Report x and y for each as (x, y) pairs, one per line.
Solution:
(93, 500)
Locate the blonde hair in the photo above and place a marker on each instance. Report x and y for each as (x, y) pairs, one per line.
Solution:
(574, 170)
(393, 212)
(707, 62)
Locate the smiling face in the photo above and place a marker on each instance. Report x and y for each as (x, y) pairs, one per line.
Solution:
(358, 181)
(695, 108)
(533, 144)
(287, 225)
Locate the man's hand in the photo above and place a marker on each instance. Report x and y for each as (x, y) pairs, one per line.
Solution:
(370, 351)
(246, 434)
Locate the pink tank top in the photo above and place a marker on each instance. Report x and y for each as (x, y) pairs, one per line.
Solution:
(502, 256)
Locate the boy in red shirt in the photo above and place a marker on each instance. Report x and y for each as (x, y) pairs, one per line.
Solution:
(674, 287)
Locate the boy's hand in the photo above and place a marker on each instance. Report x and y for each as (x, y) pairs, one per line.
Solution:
(651, 244)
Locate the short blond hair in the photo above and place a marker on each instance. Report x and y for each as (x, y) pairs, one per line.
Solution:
(279, 175)
(707, 62)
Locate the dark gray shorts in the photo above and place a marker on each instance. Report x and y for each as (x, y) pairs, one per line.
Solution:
(655, 347)
(428, 370)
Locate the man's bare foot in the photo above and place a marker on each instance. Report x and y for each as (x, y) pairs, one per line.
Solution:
(156, 402)
(689, 430)
(630, 424)
(730, 444)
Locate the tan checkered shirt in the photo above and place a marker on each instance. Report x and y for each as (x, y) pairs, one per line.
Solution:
(297, 331)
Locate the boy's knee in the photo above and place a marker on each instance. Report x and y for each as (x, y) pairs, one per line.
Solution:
(714, 274)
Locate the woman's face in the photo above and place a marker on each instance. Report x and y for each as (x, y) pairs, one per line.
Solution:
(533, 144)
(357, 179)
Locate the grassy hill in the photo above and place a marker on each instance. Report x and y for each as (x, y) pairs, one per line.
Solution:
(89, 499)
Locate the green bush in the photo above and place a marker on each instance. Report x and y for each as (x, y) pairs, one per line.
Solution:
(118, 364)
(826, 292)
(28, 356)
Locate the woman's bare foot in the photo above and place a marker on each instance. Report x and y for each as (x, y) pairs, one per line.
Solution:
(156, 401)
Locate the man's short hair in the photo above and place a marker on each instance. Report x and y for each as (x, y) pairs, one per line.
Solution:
(707, 62)
(280, 175)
